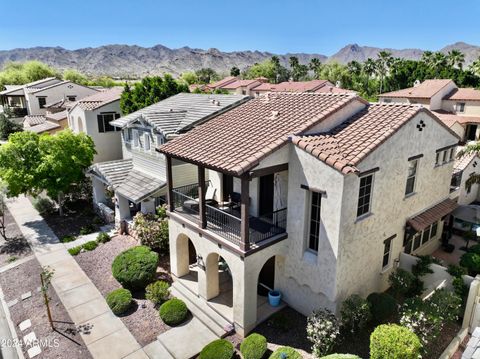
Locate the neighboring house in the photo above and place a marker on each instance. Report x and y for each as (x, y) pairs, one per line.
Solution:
(463, 169)
(92, 115)
(32, 98)
(48, 123)
(137, 181)
(459, 108)
(312, 194)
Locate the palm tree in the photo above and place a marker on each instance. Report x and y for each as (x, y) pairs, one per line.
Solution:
(354, 67)
(439, 61)
(316, 66)
(369, 68)
(455, 58)
(475, 67)
(427, 58)
(383, 65)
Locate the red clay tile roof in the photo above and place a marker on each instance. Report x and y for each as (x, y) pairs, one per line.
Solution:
(426, 89)
(462, 162)
(333, 89)
(433, 214)
(222, 82)
(463, 94)
(57, 116)
(293, 86)
(100, 99)
(235, 142)
(449, 118)
(239, 83)
(345, 146)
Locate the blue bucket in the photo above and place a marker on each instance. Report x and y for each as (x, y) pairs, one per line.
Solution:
(274, 297)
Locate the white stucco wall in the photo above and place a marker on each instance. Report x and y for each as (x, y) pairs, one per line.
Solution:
(463, 196)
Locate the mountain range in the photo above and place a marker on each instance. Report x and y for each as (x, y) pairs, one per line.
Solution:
(135, 61)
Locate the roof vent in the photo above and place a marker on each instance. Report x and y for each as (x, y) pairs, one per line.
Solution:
(218, 103)
(338, 84)
(416, 83)
(275, 115)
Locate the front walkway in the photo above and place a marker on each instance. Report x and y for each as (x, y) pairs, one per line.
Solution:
(104, 334)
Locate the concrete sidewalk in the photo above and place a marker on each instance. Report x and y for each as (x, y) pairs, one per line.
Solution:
(104, 334)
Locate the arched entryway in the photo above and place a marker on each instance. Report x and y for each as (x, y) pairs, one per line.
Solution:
(186, 263)
(267, 280)
(219, 285)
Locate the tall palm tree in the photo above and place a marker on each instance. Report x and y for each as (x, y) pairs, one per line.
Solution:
(439, 62)
(354, 67)
(475, 67)
(316, 66)
(427, 57)
(382, 66)
(455, 58)
(369, 68)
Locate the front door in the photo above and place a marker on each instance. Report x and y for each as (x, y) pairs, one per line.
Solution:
(265, 199)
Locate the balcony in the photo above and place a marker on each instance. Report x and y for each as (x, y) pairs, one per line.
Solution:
(226, 220)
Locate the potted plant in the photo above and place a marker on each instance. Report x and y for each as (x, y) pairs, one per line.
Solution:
(274, 297)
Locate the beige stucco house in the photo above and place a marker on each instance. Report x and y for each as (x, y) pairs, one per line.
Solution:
(458, 108)
(465, 167)
(311, 194)
(137, 181)
(92, 115)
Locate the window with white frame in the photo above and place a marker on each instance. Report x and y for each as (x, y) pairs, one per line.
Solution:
(128, 135)
(460, 107)
(315, 220)
(411, 177)
(146, 145)
(365, 195)
(420, 238)
(135, 138)
(387, 249)
(160, 140)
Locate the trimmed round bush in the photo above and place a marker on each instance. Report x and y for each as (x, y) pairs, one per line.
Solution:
(383, 306)
(394, 341)
(285, 352)
(119, 300)
(254, 346)
(103, 237)
(173, 312)
(341, 356)
(157, 292)
(218, 349)
(135, 268)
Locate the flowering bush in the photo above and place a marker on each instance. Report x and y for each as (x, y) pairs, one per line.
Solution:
(355, 313)
(152, 231)
(322, 330)
(405, 284)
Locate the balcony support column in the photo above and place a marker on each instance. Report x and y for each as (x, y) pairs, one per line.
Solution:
(201, 197)
(171, 205)
(244, 211)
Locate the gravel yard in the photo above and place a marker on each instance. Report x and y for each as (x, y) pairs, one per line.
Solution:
(15, 247)
(142, 320)
(64, 342)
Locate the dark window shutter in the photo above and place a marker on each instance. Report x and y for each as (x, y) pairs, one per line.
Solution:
(100, 123)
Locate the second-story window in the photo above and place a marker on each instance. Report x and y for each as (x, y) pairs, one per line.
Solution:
(147, 142)
(365, 195)
(387, 248)
(42, 101)
(315, 219)
(411, 178)
(460, 107)
(104, 120)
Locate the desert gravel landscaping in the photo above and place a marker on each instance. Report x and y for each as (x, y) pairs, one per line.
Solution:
(142, 320)
(15, 247)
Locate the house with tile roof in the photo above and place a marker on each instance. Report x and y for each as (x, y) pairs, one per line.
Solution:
(311, 194)
(463, 168)
(137, 180)
(32, 98)
(48, 123)
(92, 115)
(458, 108)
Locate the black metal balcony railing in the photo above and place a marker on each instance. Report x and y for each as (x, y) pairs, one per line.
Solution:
(227, 224)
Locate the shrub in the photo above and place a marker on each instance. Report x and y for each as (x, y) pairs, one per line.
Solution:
(394, 341)
(341, 356)
(383, 306)
(173, 312)
(322, 330)
(460, 288)
(152, 231)
(119, 300)
(404, 284)
(103, 237)
(135, 267)
(285, 353)
(90, 245)
(445, 304)
(218, 349)
(416, 316)
(474, 249)
(254, 346)
(43, 205)
(355, 313)
(89, 228)
(422, 266)
(97, 220)
(157, 292)
(471, 261)
(162, 211)
(455, 270)
(75, 250)
(67, 239)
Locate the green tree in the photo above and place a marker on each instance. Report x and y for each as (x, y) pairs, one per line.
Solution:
(298, 71)
(235, 71)
(30, 164)
(149, 91)
(19, 73)
(189, 77)
(382, 67)
(75, 76)
(206, 75)
(7, 127)
(475, 67)
(455, 58)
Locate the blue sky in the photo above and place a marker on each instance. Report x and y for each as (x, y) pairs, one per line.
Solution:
(277, 26)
